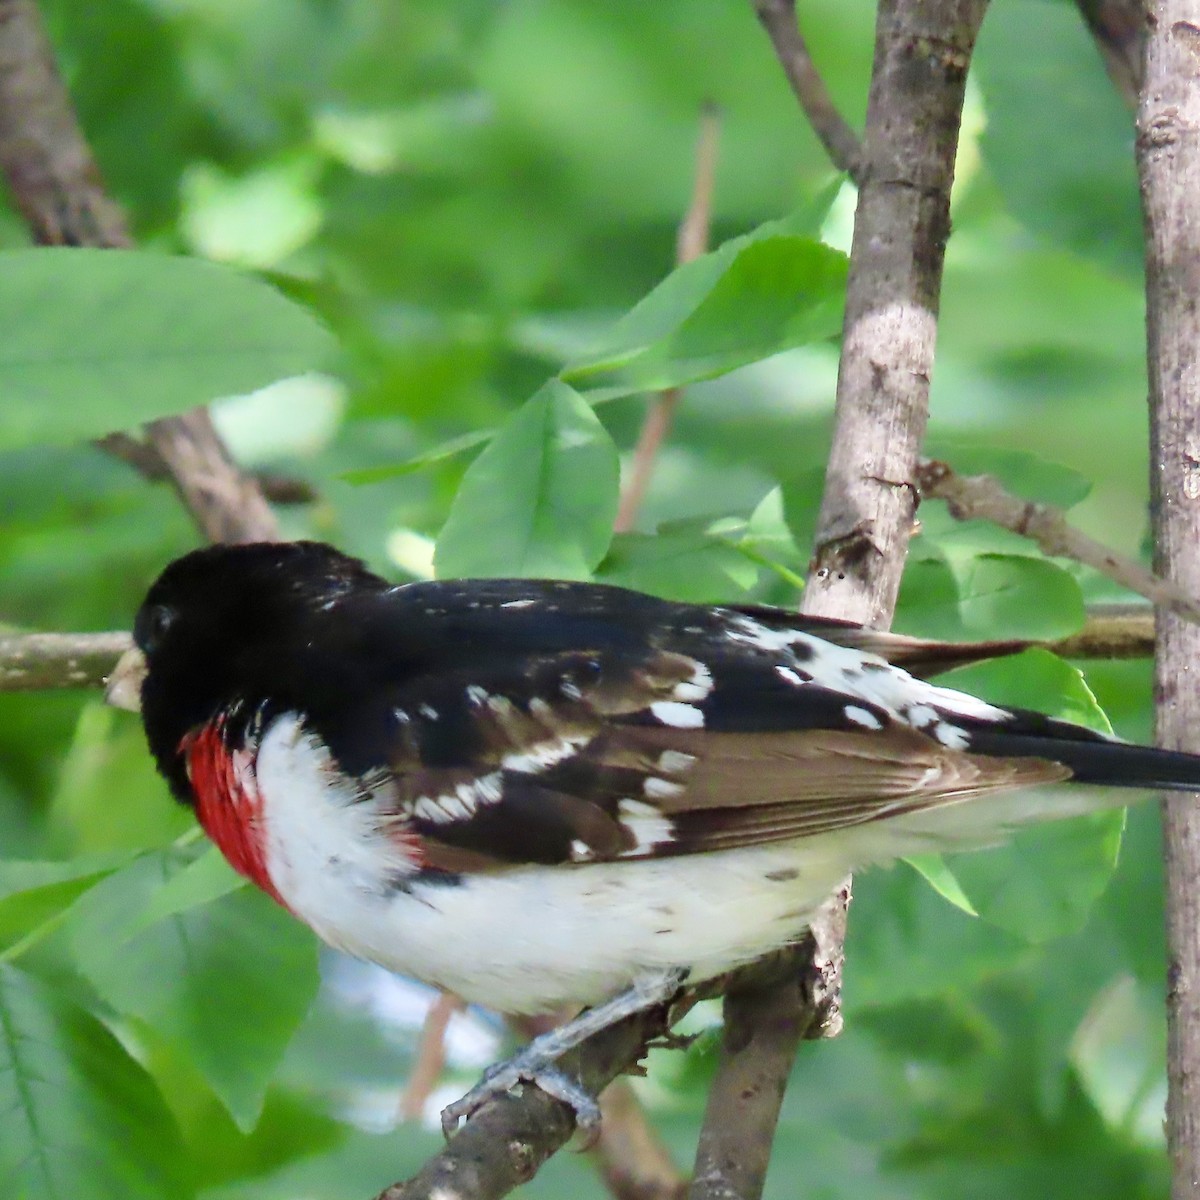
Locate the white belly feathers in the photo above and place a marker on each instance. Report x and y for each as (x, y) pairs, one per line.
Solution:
(530, 938)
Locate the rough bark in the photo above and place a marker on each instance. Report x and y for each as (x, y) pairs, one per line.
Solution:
(36, 661)
(1169, 162)
(922, 51)
(504, 1144)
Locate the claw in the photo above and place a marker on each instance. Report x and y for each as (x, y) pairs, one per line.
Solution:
(520, 1069)
(535, 1064)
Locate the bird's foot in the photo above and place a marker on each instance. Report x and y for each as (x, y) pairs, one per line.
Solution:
(529, 1066)
(536, 1063)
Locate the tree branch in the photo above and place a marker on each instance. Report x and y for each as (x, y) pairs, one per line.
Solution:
(764, 1024)
(506, 1142)
(146, 461)
(43, 661)
(1110, 631)
(57, 186)
(983, 497)
(691, 242)
(841, 143)
(922, 51)
(631, 1158)
(36, 661)
(1168, 151)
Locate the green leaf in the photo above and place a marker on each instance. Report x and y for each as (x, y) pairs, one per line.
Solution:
(81, 1118)
(1083, 193)
(98, 340)
(1044, 883)
(744, 302)
(933, 869)
(905, 942)
(226, 982)
(202, 881)
(989, 595)
(1035, 678)
(689, 566)
(540, 500)
(33, 893)
(436, 454)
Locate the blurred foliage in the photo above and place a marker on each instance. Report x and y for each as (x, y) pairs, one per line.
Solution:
(474, 196)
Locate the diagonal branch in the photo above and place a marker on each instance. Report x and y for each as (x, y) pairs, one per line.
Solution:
(507, 1141)
(691, 242)
(57, 186)
(982, 497)
(841, 143)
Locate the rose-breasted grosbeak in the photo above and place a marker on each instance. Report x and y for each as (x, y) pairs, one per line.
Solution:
(535, 794)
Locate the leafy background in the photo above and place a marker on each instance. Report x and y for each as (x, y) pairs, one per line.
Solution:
(476, 198)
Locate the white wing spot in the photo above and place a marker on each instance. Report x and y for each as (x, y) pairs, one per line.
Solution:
(518, 603)
(645, 823)
(428, 711)
(951, 736)
(790, 675)
(401, 716)
(661, 789)
(697, 687)
(675, 761)
(860, 716)
(841, 668)
(477, 695)
(541, 755)
(462, 803)
(677, 715)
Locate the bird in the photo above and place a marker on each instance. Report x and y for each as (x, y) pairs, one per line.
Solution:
(539, 793)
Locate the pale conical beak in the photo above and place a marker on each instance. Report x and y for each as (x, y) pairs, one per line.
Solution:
(124, 687)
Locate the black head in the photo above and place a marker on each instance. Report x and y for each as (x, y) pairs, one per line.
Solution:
(234, 623)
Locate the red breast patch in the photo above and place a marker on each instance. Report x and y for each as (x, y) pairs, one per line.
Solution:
(228, 803)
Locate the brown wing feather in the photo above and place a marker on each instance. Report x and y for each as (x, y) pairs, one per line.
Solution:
(744, 789)
(572, 772)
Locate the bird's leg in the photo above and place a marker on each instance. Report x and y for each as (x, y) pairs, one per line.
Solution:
(535, 1063)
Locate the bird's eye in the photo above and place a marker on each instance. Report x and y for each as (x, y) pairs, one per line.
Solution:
(152, 625)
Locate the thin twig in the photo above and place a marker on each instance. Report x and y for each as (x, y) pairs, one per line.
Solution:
(431, 1056)
(983, 497)
(57, 186)
(841, 143)
(1110, 632)
(690, 243)
(1168, 154)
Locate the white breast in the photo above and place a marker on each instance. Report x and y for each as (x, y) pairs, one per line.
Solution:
(532, 938)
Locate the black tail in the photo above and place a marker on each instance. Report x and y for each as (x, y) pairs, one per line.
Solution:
(1092, 757)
